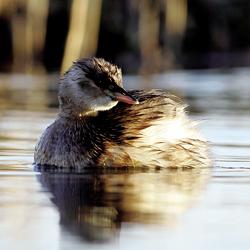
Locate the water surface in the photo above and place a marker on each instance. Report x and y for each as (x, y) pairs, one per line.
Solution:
(128, 209)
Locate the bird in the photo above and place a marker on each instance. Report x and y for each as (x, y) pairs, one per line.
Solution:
(100, 124)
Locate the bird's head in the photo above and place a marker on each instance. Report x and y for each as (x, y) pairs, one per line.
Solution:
(92, 85)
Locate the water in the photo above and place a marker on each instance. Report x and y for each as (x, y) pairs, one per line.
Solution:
(128, 209)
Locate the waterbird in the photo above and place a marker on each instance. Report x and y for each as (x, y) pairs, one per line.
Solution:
(100, 124)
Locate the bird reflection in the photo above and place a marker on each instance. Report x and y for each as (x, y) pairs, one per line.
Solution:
(94, 204)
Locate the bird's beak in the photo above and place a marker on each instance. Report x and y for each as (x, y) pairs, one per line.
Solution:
(125, 98)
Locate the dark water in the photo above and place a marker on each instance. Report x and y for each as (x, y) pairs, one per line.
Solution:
(128, 209)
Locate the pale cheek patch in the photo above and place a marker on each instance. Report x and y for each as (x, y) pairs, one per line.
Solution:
(93, 99)
(102, 104)
(97, 100)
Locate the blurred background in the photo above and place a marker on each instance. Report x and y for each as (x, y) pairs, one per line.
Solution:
(198, 49)
(141, 36)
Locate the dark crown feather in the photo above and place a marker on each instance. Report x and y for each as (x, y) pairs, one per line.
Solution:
(100, 71)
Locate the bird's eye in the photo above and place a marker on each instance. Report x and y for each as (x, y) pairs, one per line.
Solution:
(111, 87)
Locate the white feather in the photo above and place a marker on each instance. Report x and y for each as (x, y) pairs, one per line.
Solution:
(162, 136)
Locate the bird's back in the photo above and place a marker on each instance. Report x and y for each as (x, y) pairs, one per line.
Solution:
(155, 133)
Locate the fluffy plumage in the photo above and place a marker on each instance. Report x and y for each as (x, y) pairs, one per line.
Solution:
(155, 133)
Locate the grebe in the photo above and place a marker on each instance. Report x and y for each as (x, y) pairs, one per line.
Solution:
(102, 124)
